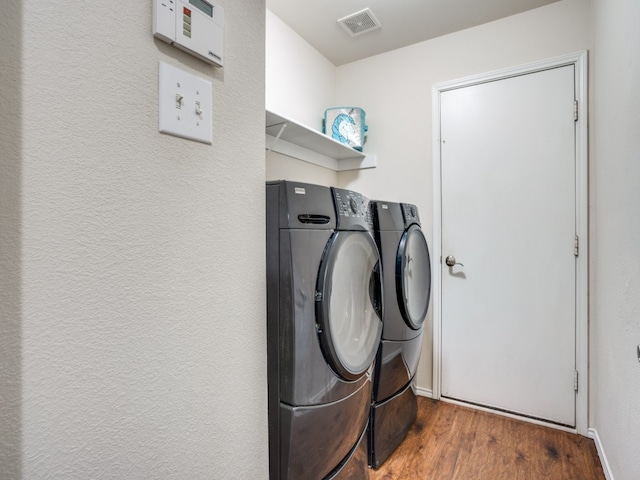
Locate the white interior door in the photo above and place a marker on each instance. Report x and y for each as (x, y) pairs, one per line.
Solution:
(509, 216)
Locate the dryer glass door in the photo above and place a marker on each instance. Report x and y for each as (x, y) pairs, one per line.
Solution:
(348, 303)
(413, 276)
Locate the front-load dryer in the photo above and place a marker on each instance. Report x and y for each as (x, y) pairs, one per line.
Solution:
(406, 268)
(324, 326)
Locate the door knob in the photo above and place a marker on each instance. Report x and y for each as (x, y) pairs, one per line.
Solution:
(451, 261)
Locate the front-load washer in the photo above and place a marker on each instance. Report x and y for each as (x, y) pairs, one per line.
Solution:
(324, 308)
(406, 273)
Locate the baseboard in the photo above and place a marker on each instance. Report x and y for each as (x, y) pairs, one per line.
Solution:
(593, 433)
(424, 392)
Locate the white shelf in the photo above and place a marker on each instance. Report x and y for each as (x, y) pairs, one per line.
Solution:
(291, 138)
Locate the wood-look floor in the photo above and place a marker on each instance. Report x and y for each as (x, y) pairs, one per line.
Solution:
(450, 442)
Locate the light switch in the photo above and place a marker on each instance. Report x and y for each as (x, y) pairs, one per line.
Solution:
(184, 104)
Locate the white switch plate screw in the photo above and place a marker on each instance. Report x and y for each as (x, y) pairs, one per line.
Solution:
(178, 90)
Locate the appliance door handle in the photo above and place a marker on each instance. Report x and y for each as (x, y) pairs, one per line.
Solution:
(315, 219)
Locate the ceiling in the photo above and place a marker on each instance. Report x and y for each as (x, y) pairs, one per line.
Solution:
(404, 22)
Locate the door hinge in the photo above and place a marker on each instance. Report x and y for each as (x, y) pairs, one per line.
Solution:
(575, 380)
(576, 246)
(575, 110)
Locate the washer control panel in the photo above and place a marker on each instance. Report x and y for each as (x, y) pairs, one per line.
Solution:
(353, 210)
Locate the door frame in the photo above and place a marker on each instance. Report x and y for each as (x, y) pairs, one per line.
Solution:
(579, 61)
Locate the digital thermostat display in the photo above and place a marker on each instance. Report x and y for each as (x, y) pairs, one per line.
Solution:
(195, 26)
(202, 5)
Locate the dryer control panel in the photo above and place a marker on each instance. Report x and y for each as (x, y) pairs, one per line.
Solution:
(353, 210)
(410, 214)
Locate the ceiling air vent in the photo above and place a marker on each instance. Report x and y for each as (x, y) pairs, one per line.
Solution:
(359, 22)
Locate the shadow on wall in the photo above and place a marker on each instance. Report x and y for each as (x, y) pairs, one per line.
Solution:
(10, 240)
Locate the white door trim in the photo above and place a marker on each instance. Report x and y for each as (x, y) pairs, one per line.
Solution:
(579, 61)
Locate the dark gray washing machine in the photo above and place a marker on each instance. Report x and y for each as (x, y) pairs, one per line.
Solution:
(324, 308)
(406, 273)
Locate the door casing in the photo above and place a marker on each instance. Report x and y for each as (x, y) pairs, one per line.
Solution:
(579, 61)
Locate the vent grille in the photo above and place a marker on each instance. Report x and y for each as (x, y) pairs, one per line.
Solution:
(360, 22)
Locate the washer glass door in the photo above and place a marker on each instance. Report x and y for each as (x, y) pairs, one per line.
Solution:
(413, 276)
(349, 303)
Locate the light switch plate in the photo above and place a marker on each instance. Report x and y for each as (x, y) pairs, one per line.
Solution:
(184, 104)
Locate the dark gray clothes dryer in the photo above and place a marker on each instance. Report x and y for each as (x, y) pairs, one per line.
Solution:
(406, 273)
(323, 330)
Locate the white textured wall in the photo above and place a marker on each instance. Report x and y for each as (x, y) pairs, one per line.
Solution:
(10, 254)
(395, 90)
(140, 345)
(282, 167)
(300, 84)
(615, 313)
(300, 81)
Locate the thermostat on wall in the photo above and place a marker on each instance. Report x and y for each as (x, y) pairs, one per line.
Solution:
(195, 26)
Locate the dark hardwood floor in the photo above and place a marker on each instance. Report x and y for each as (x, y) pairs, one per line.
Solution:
(450, 442)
